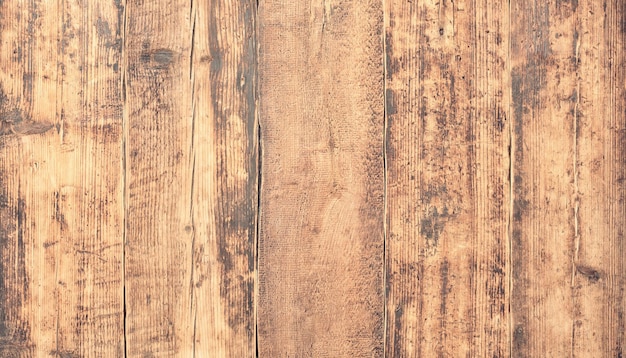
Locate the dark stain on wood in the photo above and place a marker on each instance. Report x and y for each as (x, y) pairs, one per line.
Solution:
(567, 5)
(500, 119)
(158, 59)
(13, 121)
(21, 254)
(520, 340)
(443, 309)
(14, 330)
(590, 273)
(238, 202)
(397, 333)
(528, 81)
(391, 64)
(103, 28)
(433, 223)
(31, 127)
(58, 212)
(6, 229)
(575, 58)
(390, 104)
(163, 57)
(27, 74)
(65, 354)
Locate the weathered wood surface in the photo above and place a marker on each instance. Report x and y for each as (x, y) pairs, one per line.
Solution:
(567, 85)
(437, 178)
(190, 153)
(61, 188)
(447, 178)
(321, 196)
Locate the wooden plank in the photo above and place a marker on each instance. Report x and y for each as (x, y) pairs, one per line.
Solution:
(62, 208)
(447, 178)
(599, 100)
(568, 218)
(321, 217)
(88, 203)
(191, 178)
(225, 151)
(16, 303)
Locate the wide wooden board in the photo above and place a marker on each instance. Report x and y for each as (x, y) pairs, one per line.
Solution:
(568, 157)
(61, 182)
(321, 197)
(190, 151)
(447, 266)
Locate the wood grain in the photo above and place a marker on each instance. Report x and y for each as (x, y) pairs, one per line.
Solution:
(61, 208)
(321, 219)
(225, 151)
(16, 302)
(158, 181)
(191, 178)
(438, 178)
(447, 178)
(568, 214)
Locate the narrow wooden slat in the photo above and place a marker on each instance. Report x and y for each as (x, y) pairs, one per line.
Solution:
(88, 201)
(16, 303)
(191, 178)
(568, 219)
(159, 176)
(598, 109)
(321, 228)
(447, 178)
(224, 148)
(62, 208)
(613, 128)
(15, 325)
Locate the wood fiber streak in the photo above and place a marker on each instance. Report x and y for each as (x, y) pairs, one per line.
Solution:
(191, 178)
(321, 219)
(568, 74)
(447, 178)
(61, 203)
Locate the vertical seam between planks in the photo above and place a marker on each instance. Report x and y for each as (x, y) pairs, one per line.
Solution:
(511, 179)
(257, 236)
(192, 306)
(62, 131)
(384, 153)
(259, 153)
(124, 169)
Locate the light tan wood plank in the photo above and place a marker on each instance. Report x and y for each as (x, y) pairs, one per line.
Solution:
(321, 228)
(61, 143)
(599, 275)
(191, 178)
(225, 147)
(89, 208)
(159, 169)
(568, 105)
(447, 178)
(15, 301)
(23, 334)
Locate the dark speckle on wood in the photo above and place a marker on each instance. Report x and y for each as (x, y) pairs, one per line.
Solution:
(163, 56)
(160, 58)
(592, 274)
(390, 105)
(103, 28)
